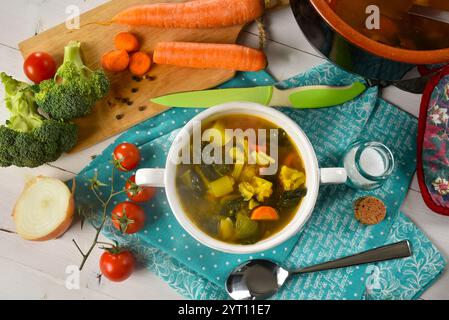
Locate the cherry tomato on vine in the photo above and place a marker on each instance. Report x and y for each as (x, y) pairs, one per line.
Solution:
(137, 193)
(117, 265)
(39, 66)
(126, 156)
(128, 217)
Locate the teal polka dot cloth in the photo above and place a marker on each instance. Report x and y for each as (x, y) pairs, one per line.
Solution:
(198, 272)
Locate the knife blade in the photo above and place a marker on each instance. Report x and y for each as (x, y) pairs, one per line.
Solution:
(306, 97)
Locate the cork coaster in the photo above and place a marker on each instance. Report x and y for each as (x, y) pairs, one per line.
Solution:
(370, 210)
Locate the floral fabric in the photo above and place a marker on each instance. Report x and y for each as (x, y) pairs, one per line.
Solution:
(436, 145)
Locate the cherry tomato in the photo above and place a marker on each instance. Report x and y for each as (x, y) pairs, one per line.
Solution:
(39, 66)
(126, 156)
(128, 217)
(117, 266)
(137, 193)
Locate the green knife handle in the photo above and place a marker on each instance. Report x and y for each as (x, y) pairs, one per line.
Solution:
(325, 96)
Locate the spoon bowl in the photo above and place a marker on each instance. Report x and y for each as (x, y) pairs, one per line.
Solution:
(256, 280)
(261, 279)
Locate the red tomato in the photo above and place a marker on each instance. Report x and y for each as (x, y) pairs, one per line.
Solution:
(126, 156)
(39, 66)
(128, 217)
(138, 194)
(117, 266)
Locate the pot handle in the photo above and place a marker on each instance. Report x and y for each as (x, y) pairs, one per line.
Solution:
(150, 178)
(333, 176)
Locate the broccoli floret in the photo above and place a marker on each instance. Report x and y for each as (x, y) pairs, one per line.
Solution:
(28, 139)
(74, 90)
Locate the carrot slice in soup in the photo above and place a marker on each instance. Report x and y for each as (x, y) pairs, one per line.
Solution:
(115, 61)
(265, 213)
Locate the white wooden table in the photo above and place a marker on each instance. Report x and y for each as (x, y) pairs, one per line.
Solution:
(37, 270)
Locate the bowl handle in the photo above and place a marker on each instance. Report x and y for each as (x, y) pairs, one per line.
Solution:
(333, 176)
(150, 178)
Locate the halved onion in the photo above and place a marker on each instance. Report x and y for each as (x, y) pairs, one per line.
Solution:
(44, 210)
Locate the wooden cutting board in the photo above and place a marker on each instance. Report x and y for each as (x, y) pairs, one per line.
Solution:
(97, 39)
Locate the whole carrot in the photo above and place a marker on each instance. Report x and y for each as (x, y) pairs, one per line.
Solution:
(207, 55)
(192, 14)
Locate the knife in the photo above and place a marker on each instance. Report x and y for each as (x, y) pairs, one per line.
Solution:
(307, 97)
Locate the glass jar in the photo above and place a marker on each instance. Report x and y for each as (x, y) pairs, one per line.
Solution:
(368, 164)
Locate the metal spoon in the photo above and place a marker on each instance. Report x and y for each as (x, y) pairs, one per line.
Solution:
(430, 13)
(261, 279)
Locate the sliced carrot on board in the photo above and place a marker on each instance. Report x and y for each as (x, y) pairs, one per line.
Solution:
(115, 61)
(126, 41)
(139, 63)
(265, 213)
(210, 55)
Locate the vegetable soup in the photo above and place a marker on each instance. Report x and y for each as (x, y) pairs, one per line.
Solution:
(241, 201)
(397, 27)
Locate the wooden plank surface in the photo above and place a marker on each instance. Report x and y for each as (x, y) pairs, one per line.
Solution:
(37, 271)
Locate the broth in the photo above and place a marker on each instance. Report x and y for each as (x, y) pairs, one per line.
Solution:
(397, 27)
(226, 200)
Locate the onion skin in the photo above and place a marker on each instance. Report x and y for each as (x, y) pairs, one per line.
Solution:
(62, 228)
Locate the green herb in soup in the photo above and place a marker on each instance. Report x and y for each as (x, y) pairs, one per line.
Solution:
(236, 202)
(397, 27)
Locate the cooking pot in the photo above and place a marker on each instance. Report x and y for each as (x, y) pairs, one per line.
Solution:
(379, 63)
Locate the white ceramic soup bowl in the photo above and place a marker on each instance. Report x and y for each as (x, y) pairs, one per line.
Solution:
(166, 178)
